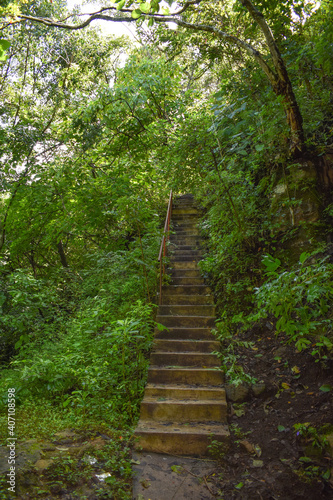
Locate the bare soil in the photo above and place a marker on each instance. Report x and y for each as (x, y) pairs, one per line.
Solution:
(268, 459)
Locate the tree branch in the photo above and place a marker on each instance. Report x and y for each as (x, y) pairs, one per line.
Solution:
(159, 18)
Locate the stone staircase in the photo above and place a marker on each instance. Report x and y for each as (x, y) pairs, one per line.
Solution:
(184, 404)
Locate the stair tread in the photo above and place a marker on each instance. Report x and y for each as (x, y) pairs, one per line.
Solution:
(184, 401)
(212, 388)
(183, 427)
(186, 368)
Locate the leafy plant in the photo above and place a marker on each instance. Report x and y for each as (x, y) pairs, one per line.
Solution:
(229, 353)
(300, 300)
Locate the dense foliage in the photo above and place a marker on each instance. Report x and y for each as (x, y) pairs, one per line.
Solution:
(95, 131)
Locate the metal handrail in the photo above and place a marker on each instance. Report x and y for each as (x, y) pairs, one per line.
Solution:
(164, 241)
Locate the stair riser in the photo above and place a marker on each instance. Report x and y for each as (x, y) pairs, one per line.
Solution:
(187, 281)
(184, 265)
(182, 412)
(186, 321)
(181, 231)
(186, 253)
(185, 346)
(193, 359)
(185, 334)
(177, 444)
(184, 258)
(185, 211)
(183, 247)
(187, 299)
(188, 218)
(191, 394)
(184, 273)
(185, 290)
(193, 241)
(200, 377)
(187, 310)
(185, 226)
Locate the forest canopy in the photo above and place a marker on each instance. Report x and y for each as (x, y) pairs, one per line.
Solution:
(233, 105)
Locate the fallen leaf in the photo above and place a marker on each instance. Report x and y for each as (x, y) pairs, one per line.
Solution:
(325, 388)
(247, 445)
(145, 483)
(239, 486)
(257, 450)
(176, 468)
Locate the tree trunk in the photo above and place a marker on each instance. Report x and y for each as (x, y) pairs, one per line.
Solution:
(284, 89)
(281, 82)
(62, 254)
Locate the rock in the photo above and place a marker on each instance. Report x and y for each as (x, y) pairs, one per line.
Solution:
(258, 388)
(280, 351)
(43, 464)
(237, 392)
(247, 445)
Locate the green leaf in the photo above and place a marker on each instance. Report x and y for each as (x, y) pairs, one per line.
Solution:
(325, 388)
(259, 147)
(136, 13)
(121, 4)
(145, 7)
(176, 468)
(281, 428)
(4, 46)
(270, 263)
(305, 460)
(326, 475)
(239, 486)
(19, 343)
(303, 257)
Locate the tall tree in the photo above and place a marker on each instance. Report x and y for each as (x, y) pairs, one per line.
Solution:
(196, 15)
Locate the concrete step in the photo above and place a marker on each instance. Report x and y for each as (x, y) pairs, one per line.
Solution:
(186, 321)
(192, 376)
(176, 410)
(193, 242)
(180, 438)
(187, 299)
(184, 258)
(185, 334)
(184, 211)
(184, 264)
(191, 231)
(187, 310)
(184, 224)
(186, 239)
(195, 253)
(184, 273)
(186, 289)
(182, 247)
(178, 391)
(184, 280)
(167, 345)
(184, 359)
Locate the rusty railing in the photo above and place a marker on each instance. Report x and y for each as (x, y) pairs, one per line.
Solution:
(165, 239)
